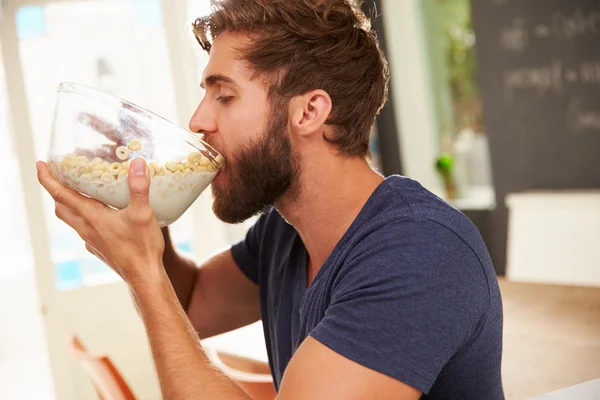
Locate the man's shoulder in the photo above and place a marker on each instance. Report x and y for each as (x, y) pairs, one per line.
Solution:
(408, 234)
(402, 206)
(402, 244)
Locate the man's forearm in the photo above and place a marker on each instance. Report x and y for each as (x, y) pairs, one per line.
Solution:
(182, 272)
(183, 369)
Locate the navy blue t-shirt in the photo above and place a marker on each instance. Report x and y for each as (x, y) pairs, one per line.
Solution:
(409, 291)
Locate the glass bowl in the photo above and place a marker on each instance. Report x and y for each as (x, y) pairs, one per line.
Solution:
(95, 137)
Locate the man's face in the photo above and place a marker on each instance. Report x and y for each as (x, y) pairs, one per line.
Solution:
(238, 120)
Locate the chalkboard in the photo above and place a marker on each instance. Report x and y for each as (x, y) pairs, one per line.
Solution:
(539, 73)
(538, 67)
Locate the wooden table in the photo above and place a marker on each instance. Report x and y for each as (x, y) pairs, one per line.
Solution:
(551, 337)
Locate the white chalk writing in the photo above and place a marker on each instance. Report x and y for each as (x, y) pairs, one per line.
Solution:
(503, 2)
(590, 72)
(541, 79)
(579, 23)
(580, 120)
(542, 31)
(552, 77)
(562, 25)
(515, 36)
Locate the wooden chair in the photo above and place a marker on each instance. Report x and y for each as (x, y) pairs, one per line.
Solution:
(105, 377)
(253, 376)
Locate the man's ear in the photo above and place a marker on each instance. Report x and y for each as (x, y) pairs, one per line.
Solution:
(308, 112)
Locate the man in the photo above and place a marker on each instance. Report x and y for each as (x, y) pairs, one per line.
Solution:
(367, 288)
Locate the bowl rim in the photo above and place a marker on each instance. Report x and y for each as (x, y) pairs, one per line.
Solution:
(97, 94)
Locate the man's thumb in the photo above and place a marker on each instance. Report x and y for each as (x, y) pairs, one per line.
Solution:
(139, 182)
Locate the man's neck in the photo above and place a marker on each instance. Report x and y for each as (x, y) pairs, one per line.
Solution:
(326, 201)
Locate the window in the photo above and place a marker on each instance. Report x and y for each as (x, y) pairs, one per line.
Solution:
(464, 162)
(113, 45)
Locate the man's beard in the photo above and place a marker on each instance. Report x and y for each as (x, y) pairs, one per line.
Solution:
(259, 174)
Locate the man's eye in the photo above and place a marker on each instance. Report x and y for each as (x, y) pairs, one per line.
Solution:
(224, 99)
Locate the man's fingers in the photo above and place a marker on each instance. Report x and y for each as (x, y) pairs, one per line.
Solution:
(72, 219)
(63, 195)
(103, 127)
(139, 183)
(93, 251)
(139, 211)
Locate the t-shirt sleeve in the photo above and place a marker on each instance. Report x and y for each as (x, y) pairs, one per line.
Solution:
(405, 302)
(246, 252)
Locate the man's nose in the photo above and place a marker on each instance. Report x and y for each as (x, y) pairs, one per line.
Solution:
(202, 120)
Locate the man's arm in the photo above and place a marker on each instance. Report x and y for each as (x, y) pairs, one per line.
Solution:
(182, 272)
(216, 296)
(315, 371)
(184, 371)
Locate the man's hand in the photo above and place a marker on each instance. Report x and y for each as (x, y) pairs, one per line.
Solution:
(128, 240)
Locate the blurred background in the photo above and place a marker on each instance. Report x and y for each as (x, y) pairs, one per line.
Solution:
(494, 106)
